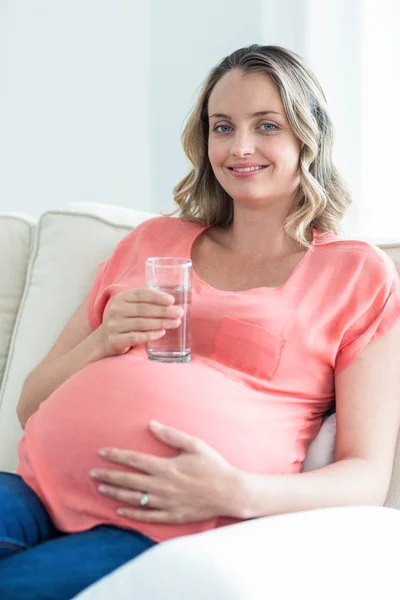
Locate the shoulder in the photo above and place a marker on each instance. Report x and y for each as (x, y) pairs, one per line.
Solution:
(153, 236)
(355, 257)
(155, 227)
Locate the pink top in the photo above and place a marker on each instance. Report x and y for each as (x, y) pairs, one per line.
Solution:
(260, 379)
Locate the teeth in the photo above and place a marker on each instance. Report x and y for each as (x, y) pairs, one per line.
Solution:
(248, 169)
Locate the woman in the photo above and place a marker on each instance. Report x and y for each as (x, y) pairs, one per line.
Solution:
(282, 308)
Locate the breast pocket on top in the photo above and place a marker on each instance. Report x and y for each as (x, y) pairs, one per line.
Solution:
(248, 348)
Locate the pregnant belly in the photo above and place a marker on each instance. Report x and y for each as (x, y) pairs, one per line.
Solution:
(110, 404)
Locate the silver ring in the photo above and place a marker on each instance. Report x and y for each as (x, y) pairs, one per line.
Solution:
(144, 500)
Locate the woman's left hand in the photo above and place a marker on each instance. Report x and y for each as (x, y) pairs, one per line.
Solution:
(197, 484)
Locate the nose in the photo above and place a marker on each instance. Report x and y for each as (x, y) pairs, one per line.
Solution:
(242, 144)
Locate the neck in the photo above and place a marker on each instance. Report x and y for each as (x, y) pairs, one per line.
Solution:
(259, 234)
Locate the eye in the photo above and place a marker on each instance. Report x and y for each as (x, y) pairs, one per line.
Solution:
(274, 127)
(222, 128)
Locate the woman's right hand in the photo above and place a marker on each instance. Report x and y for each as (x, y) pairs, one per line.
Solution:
(136, 317)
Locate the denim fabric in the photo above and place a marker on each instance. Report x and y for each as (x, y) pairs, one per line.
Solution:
(38, 562)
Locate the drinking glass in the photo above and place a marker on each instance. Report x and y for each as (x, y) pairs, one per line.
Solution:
(173, 276)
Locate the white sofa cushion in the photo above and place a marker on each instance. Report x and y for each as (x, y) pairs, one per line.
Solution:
(322, 449)
(16, 239)
(345, 553)
(68, 246)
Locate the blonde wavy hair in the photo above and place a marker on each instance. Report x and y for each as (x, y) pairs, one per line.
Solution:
(322, 197)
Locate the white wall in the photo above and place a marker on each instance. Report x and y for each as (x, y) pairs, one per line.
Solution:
(380, 153)
(94, 93)
(74, 90)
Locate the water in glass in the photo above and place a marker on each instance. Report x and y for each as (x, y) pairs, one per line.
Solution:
(175, 345)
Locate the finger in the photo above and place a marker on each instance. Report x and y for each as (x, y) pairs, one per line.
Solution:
(128, 480)
(147, 310)
(143, 324)
(148, 295)
(176, 438)
(130, 497)
(147, 463)
(148, 516)
(134, 338)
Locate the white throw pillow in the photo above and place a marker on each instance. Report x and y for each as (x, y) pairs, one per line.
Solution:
(322, 449)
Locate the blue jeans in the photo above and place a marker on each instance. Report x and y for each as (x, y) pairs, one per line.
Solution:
(39, 562)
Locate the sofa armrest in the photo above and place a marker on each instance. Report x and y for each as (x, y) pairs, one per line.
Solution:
(333, 553)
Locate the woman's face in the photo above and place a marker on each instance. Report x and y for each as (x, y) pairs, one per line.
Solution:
(249, 129)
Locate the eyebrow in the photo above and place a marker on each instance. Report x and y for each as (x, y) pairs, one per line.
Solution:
(260, 113)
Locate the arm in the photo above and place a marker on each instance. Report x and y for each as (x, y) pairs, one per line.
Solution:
(134, 317)
(76, 347)
(368, 415)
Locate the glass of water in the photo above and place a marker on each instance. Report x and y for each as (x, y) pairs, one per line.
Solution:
(173, 276)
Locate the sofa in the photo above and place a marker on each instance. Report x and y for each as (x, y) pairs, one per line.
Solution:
(46, 269)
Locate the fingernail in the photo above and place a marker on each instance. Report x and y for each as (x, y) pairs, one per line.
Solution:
(102, 489)
(156, 424)
(103, 452)
(93, 474)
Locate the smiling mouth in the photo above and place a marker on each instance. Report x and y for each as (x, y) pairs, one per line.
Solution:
(248, 169)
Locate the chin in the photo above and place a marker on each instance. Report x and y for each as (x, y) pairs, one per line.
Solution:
(248, 196)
